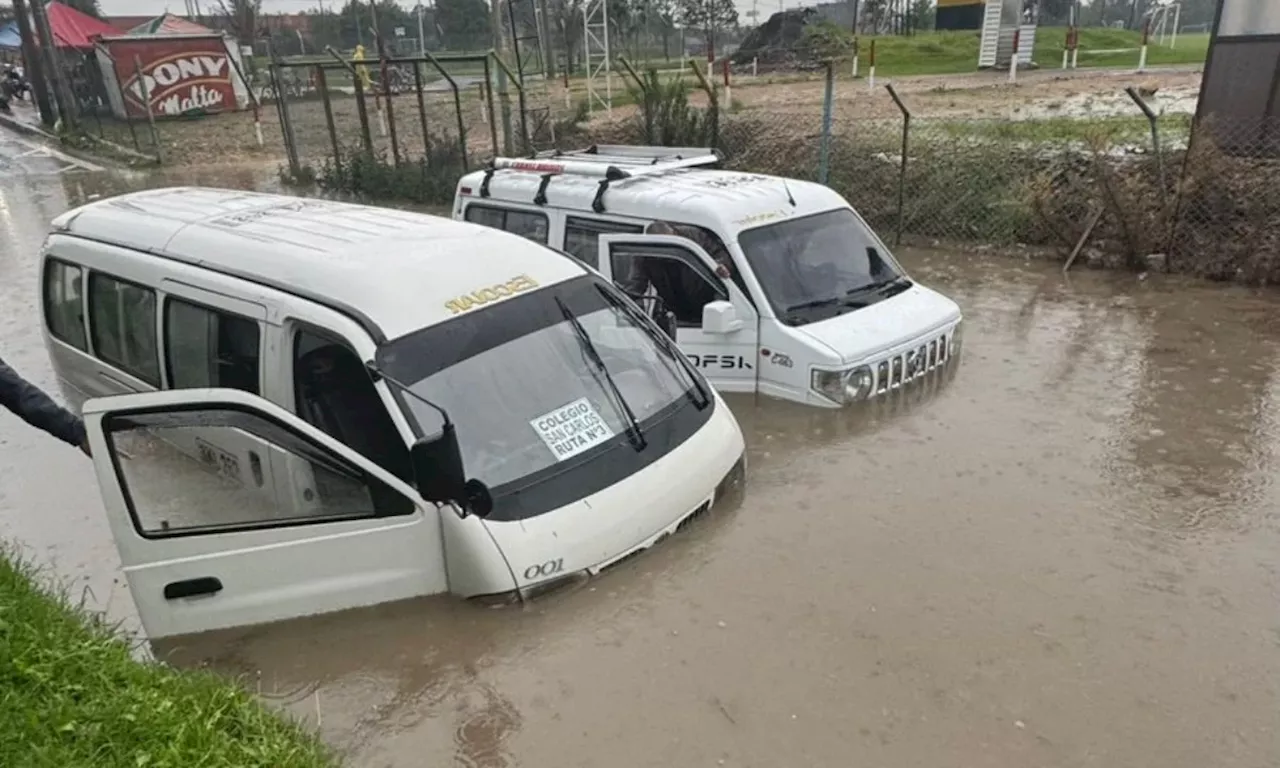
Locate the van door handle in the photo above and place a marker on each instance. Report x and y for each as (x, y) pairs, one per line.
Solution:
(206, 585)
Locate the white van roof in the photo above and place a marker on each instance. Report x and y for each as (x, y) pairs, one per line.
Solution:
(729, 200)
(387, 268)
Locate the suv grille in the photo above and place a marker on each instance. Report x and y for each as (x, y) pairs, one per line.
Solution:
(900, 369)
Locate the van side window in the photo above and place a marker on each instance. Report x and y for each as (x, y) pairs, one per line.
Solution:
(122, 323)
(334, 393)
(523, 223)
(582, 240)
(676, 275)
(209, 348)
(64, 303)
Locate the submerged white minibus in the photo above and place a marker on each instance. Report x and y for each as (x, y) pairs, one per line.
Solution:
(298, 406)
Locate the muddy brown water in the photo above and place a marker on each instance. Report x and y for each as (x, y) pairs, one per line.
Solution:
(1065, 555)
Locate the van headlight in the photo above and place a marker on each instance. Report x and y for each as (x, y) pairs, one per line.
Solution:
(843, 387)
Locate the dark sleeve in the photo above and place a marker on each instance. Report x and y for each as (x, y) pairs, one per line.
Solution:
(38, 409)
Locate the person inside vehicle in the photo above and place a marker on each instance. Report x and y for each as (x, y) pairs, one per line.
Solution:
(682, 290)
(39, 410)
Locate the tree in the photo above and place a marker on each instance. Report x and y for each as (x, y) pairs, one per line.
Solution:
(241, 17)
(567, 17)
(922, 15)
(710, 16)
(668, 12)
(6, 14)
(464, 24)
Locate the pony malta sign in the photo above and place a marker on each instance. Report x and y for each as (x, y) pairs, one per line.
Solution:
(172, 75)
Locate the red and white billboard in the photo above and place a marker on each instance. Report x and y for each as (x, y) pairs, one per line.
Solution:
(180, 75)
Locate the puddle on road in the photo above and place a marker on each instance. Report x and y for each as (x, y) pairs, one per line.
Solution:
(1066, 554)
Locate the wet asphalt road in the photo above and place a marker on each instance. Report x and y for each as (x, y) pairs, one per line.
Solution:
(1066, 555)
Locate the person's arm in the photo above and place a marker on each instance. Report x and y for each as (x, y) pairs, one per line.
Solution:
(38, 409)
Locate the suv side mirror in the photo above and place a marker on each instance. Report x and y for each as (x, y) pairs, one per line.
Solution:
(439, 474)
(720, 317)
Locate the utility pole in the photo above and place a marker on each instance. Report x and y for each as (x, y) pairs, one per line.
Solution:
(33, 65)
(497, 24)
(61, 91)
(544, 42)
(422, 40)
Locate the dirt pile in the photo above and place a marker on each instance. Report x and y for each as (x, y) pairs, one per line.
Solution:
(779, 42)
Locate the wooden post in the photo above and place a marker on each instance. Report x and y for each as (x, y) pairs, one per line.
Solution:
(871, 70)
(1146, 39)
(1013, 60)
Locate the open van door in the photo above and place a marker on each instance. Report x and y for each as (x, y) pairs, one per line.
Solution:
(717, 327)
(204, 547)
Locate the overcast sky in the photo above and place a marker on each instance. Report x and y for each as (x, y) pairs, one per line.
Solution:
(157, 7)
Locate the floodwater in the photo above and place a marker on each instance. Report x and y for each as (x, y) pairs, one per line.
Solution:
(1065, 555)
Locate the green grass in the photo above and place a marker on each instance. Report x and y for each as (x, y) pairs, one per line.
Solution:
(72, 696)
(939, 53)
(1118, 129)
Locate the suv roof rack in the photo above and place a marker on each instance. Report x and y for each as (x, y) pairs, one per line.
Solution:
(607, 162)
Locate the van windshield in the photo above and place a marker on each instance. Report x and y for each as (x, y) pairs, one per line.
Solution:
(813, 267)
(538, 420)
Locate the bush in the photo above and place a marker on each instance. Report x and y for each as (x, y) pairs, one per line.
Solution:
(431, 180)
(665, 117)
(71, 694)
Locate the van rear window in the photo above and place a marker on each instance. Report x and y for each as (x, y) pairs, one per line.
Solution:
(122, 323)
(64, 303)
(524, 223)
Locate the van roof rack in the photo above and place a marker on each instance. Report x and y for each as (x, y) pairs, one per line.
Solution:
(607, 162)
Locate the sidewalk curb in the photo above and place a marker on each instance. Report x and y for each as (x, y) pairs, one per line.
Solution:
(23, 127)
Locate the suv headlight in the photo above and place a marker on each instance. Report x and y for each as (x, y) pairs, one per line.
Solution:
(843, 387)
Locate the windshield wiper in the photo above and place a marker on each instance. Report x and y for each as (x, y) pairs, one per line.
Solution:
(703, 399)
(878, 285)
(831, 302)
(634, 433)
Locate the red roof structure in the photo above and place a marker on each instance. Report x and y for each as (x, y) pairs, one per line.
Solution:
(73, 29)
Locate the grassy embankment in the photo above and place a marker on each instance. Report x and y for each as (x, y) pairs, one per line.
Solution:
(72, 696)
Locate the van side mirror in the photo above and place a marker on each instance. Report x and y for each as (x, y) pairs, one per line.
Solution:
(439, 474)
(720, 317)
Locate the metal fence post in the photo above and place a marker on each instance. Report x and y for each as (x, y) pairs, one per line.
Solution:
(282, 106)
(486, 106)
(828, 96)
(361, 110)
(422, 110)
(902, 173)
(387, 96)
(323, 83)
(146, 102)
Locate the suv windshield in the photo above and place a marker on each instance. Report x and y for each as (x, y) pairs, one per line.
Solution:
(816, 266)
(544, 384)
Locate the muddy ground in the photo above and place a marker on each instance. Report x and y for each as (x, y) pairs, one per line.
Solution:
(1063, 556)
(1038, 95)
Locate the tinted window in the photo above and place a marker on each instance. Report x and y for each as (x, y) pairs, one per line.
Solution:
(582, 240)
(123, 325)
(209, 348)
(523, 223)
(219, 469)
(333, 392)
(64, 302)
